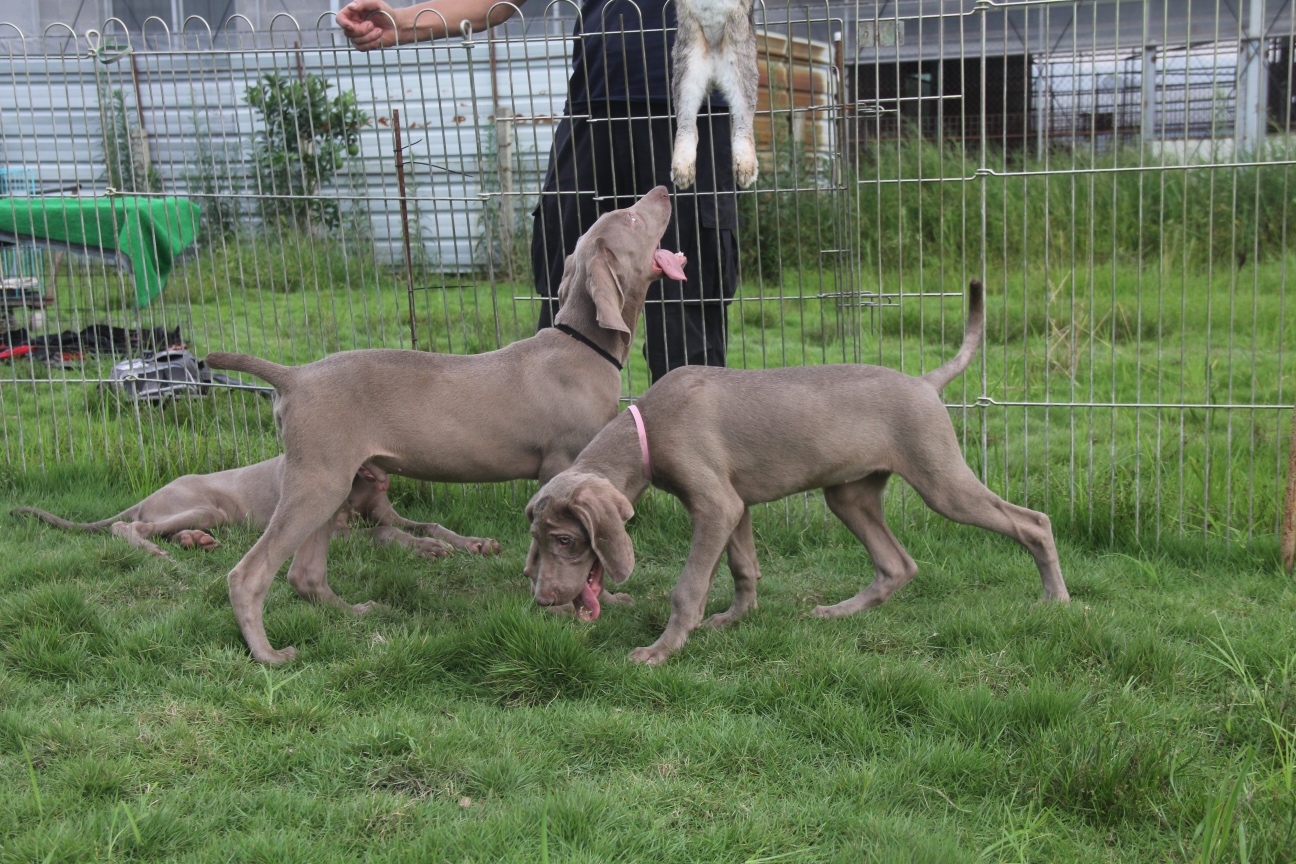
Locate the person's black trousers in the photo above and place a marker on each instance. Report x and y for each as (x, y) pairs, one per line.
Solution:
(617, 154)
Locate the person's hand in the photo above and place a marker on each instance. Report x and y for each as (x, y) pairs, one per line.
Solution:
(368, 24)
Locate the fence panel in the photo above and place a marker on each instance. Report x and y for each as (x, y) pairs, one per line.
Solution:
(1119, 174)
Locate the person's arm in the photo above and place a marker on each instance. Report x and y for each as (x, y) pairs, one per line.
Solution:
(370, 24)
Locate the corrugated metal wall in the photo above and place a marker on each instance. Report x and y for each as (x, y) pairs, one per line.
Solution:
(54, 113)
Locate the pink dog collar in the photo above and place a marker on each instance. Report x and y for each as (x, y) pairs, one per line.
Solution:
(643, 441)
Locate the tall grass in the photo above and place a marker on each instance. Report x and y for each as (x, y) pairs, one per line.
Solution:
(912, 203)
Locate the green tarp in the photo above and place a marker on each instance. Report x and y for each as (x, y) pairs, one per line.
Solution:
(150, 232)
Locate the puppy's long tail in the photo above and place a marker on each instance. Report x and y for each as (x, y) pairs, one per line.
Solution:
(280, 377)
(101, 525)
(951, 369)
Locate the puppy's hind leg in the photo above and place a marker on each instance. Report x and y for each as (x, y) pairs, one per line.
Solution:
(308, 573)
(957, 494)
(185, 528)
(859, 506)
(306, 504)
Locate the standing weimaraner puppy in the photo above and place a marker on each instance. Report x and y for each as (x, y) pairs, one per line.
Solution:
(722, 440)
(184, 510)
(524, 411)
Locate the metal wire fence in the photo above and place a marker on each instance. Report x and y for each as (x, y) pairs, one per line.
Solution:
(1078, 157)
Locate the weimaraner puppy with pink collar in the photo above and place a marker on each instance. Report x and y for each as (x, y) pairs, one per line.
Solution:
(524, 411)
(722, 440)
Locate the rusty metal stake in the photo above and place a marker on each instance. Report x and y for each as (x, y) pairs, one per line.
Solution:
(1288, 546)
(405, 232)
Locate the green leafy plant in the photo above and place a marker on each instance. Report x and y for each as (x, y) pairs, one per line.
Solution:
(504, 243)
(124, 147)
(215, 185)
(304, 140)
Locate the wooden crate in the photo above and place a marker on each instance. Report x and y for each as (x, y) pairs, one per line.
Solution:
(798, 93)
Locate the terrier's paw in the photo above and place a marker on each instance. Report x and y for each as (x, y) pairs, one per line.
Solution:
(684, 161)
(744, 161)
(683, 172)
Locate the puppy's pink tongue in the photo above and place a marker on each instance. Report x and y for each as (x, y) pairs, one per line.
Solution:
(670, 263)
(587, 603)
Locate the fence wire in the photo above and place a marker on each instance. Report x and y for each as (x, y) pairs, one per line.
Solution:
(1117, 174)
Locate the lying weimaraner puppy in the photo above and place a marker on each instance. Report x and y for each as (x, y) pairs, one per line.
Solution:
(524, 411)
(722, 440)
(184, 510)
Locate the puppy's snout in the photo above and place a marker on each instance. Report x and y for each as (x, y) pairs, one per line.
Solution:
(657, 198)
(545, 597)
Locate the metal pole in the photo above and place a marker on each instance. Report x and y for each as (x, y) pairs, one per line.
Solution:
(1249, 124)
(504, 165)
(1147, 114)
(405, 232)
(1288, 544)
(503, 161)
(1042, 96)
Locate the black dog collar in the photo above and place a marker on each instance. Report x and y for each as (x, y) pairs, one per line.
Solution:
(581, 337)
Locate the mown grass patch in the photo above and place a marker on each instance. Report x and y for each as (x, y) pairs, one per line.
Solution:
(958, 722)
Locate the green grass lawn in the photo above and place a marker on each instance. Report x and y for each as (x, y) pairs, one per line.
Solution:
(1151, 720)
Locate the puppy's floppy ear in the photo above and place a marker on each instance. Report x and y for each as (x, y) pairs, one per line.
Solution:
(564, 287)
(604, 511)
(532, 568)
(604, 287)
(531, 507)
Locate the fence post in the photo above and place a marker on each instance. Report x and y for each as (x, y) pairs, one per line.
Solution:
(1147, 108)
(1252, 104)
(405, 232)
(1288, 545)
(137, 138)
(504, 165)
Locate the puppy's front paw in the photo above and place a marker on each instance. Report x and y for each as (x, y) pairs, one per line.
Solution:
(195, 539)
(744, 161)
(483, 545)
(650, 656)
(432, 549)
(276, 658)
(608, 598)
(722, 619)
